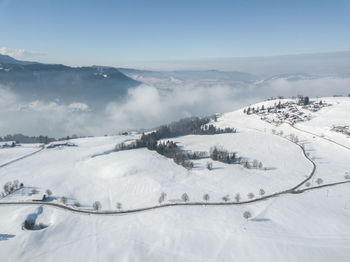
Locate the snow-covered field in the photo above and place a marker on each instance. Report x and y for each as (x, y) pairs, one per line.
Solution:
(311, 226)
(9, 154)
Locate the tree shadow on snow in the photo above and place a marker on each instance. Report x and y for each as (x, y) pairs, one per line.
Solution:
(260, 219)
(30, 222)
(4, 237)
(217, 168)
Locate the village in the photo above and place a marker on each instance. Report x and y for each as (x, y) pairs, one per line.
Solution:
(291, 111)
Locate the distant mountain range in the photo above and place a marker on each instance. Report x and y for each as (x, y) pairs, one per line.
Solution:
(98, 85)
(49, 82)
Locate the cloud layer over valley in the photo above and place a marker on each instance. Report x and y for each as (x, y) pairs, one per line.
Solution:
(149, 105)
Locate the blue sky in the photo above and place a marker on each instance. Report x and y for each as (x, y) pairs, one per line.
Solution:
(83, 32)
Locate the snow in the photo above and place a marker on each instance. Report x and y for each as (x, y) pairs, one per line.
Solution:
(311, 226)
(8, 154)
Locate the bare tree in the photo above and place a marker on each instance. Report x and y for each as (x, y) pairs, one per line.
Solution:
(247, 215)
(347, 176)
(162, 197)
(250, 195)
(185, 197)
(255, 163)
(97, 205)
(209, 165)
(16, 184)
(308, 184)
(77, 204)
(226, 198)
(8, 187)
(246, 164)
(319, 181)
(260, 165)
(206, 197)
(237, 197)
(262, 192)
(119, 205)
(64, 200)
(48, 192)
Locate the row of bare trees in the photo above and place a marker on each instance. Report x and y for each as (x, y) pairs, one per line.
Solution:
(11, 186)
(206, 197)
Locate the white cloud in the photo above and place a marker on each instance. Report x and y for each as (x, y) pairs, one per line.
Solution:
(20, 53)
(78, 107)
(147, 106)
(7, 98)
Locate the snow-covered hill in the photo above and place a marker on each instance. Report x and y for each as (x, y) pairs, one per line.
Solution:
(296, 225)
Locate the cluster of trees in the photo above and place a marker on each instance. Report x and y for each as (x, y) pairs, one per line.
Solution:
(255, 164)
(9, 187)
(212, 130)
(294, 138)
(275, 132)
(196, 126)
(303, 100)
(222, 155)
(169, 149)
(249, 110)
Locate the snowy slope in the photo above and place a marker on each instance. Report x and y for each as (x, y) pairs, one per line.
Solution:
(311, 226)
(8, 154)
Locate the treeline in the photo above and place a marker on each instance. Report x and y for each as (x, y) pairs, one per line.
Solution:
(192, 126)
(20, 138)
